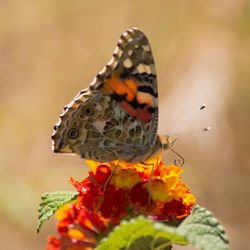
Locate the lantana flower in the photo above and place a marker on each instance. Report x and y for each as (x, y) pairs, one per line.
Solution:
(96, 211)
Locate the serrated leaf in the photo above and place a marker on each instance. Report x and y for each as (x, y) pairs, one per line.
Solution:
(200, 229)
(142, 233)
(51, 202)
(203, 230)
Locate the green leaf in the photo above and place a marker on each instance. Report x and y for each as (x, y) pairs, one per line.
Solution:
(203, 230)
(51, 202)
(141, 233)
(200, 229)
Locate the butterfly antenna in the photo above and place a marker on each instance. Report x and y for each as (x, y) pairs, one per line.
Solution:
(207, 128)
(187, 119)
(180, 161)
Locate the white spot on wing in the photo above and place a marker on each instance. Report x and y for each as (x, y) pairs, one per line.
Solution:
(58, 123)
(127, 63)
(69, 105)
(148, 69)
(98, 106)
(115, 64)
(111, 61)
(103, 70)
(117, 51)
(99, 125)
(146, 47)
(125, 34)
(130, 52)
(93, 82)
(141, 68)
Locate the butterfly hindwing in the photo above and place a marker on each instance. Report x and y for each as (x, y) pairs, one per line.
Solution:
(116, 117)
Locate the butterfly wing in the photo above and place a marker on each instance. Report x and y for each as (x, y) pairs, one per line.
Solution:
(116, 117)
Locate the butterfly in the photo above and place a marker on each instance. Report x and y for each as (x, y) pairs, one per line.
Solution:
(116, 117)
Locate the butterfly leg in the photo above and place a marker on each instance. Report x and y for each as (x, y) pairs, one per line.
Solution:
(149, 181)
(113, 171)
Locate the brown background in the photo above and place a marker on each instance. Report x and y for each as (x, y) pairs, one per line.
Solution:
(51, 49)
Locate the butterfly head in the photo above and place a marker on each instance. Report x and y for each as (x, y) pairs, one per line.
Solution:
(167, 142)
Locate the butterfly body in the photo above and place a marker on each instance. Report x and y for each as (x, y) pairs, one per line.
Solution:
(117, 116)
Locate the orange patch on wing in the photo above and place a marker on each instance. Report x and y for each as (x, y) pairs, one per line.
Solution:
(115, 84)
(129, 88)
(143, 97)
(148, 99)
(133, 87)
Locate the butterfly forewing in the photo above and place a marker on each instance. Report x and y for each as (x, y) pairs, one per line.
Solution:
(116, 117)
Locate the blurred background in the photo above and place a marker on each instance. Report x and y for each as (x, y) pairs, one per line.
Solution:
(49, 50)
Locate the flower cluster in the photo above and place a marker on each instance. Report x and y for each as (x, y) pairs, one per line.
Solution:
(83, 223)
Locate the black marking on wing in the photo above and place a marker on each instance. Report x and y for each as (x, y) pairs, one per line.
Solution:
(151, 110)
(147, 89)
(118, 97)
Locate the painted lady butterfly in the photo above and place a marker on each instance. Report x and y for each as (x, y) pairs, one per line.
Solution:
(117, 116)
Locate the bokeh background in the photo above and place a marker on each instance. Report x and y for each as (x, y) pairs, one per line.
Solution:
(49, 50)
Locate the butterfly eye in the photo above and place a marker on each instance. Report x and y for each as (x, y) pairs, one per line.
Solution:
(88, 111)
(73, 133)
